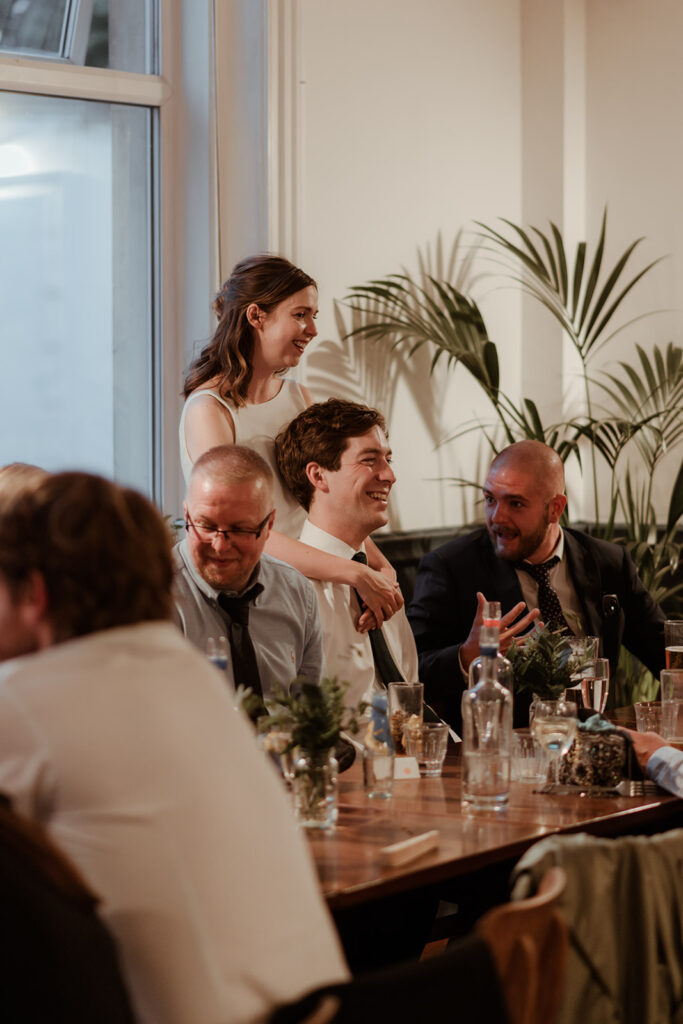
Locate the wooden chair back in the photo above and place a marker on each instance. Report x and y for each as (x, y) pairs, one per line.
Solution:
(529, 942)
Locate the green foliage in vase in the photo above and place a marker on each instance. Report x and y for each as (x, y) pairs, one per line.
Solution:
(315, 716)
(627, 418)
(544, 664)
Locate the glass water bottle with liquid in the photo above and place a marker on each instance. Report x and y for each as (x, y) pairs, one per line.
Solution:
(486, 729)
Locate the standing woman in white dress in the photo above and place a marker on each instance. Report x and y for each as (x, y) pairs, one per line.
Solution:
(235, 393)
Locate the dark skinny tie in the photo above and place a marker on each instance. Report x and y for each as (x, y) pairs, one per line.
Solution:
(385, 665)
(244, 666)
(548, 601)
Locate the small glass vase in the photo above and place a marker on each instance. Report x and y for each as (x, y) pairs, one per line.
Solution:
(315, 788)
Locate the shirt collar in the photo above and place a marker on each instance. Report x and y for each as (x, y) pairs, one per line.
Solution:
(205, 587)
(558, 550)
(317, 538)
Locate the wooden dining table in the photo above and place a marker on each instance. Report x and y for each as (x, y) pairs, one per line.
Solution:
(472, 847)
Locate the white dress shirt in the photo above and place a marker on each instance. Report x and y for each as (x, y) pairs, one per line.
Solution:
(125, 744)
(348, 653)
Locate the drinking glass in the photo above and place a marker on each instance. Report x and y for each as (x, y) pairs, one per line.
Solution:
(582, 650)
(378, 771)
(427, 742)
(555, 728)
(405, 706)
(528, 762)
(672, 704)
(218, 651)
(594, 685)
(673, 643)
(648, 716)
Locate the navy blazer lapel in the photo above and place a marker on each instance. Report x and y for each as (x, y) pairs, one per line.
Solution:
(587, 581)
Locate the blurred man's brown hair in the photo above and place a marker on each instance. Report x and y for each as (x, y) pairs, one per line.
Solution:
(103, 551)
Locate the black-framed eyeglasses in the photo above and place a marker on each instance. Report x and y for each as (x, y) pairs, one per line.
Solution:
(208, 534)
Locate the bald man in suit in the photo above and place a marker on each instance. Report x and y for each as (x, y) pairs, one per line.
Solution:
(595, 583)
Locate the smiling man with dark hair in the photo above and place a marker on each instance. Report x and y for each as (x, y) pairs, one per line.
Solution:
(335, 457)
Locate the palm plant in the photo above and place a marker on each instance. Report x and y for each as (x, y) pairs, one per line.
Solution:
(641, 409)
(582, 297)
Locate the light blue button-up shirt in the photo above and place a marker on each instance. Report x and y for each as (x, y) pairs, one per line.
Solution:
(284, 621)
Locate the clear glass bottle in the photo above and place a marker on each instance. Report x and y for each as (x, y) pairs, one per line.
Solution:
(489, 647)
(486, 732)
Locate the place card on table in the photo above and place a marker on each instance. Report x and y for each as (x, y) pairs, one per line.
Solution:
(406, 768)
(409, 849)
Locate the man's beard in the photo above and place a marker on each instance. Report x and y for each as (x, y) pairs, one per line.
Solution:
(526, 545)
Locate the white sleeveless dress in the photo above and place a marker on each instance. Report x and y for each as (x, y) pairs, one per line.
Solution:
(257, 426)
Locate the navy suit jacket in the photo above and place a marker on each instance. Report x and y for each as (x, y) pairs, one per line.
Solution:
(616, 606)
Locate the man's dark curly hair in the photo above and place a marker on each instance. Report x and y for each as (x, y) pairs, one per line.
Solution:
(319, 434)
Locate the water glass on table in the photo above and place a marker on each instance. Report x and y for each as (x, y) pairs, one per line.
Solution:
(528, 762)
(671, 681)
(405, 706)
(673, 643)
(648, 716)
(594, 685)
(427, 742)
(218, 651)
(555, 727)
(378, 771)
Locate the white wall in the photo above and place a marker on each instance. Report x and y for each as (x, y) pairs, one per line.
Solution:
(409, 125)
(390, 121)
(634, 155)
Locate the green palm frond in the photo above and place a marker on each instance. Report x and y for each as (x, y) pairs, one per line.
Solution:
(651, 394)
(583, 297)
(399, 306)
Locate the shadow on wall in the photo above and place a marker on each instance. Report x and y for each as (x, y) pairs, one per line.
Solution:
(365, 369)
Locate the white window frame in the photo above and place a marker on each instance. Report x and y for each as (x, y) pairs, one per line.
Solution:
(156, 92)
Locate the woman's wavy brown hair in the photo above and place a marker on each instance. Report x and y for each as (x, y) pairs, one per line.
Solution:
(104, 552)
(265, 280)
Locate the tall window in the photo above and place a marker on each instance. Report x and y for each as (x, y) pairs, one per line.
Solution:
(78, 229)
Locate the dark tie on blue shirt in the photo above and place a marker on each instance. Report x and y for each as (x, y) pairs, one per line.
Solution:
(244, 665)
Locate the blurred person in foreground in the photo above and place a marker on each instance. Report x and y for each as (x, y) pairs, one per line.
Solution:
(122, 740)
(537, 569)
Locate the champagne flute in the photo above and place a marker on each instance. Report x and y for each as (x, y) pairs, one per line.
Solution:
(555, 728)
(595, 684)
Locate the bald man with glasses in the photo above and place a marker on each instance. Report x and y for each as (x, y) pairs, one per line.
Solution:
(226, 586)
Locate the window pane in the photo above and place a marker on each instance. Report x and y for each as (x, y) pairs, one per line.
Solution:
(75, 286)
(99, 33)
(34, 25)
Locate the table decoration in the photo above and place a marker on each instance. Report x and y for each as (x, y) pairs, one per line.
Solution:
(315, 717)
(545, 665)
(597, 758)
